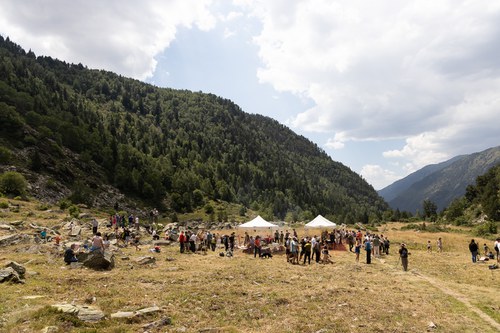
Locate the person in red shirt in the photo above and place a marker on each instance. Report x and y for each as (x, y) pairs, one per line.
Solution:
(182, 240)
(257, 247)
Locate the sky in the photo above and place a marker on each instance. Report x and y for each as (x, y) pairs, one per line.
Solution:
(385, 87)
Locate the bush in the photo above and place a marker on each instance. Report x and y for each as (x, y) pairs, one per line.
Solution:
(486, 229)
(4, 204)
(74, 211)
(13, 183)
(5, 155)
(65, 203)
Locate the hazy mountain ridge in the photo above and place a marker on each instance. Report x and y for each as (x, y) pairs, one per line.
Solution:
(168, 147)
(440, 183)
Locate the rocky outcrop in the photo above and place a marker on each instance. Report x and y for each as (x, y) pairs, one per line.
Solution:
(13, 272)
(98, 261)
(14, 239)
(83, 312)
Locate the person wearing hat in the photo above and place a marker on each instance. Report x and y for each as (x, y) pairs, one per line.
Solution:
(403, 254)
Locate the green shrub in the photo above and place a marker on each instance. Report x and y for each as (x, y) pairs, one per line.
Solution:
(74, 211)
(5, 155)
(13, 183)
(43, 207)
(4, 204)
(486, 229)
(65, 203)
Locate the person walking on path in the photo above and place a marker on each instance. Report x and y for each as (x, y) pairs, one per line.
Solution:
(473, 248)
(403, 254)
(368, 249)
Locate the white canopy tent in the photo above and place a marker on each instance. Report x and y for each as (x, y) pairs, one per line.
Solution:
(257, 223)
(320, 222)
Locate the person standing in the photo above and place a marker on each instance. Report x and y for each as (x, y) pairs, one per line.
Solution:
(473, 248)
(182, 240)
(376, 246)
(439, 244)
(368, 249)
(403, 254)
(357, 249)
(496, 246)
(95, 225)
(137, 223)
(257, 246)
(429, 246)
(307, 251)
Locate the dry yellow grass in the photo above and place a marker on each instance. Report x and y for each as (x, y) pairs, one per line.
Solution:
(243, 294)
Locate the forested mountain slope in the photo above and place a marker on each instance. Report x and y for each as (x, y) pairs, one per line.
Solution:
(446, 182)
(73, 130)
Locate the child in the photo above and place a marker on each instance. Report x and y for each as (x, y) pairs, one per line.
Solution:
(429, 247)
(326, 255)
(486, 250)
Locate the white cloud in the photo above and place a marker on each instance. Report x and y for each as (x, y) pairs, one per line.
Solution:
(422, 71)
(121, 36)
(377, 176)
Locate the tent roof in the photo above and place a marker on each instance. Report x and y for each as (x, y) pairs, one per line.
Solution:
(320, 222)
(257, 222)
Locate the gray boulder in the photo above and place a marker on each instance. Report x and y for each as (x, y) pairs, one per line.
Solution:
(18, 268)
(10, 275)
(98, 261)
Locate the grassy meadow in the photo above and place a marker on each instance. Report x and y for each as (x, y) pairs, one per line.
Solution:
(209, 293)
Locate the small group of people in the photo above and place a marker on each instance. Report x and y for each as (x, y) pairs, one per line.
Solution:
(439, 245)
(203, 240)
(488, 254)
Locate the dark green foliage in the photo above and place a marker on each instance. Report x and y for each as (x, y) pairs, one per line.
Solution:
(171, 147)
(430, 210)
(5, 155)
(13, 183)
(483, 197)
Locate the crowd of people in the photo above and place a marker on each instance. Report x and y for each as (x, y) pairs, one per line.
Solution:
(298, 250)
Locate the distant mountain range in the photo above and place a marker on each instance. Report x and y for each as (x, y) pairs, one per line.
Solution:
(441, 183)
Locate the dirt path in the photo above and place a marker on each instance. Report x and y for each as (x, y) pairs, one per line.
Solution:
(459, 297)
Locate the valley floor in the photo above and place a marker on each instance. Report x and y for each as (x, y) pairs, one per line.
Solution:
(441, 292)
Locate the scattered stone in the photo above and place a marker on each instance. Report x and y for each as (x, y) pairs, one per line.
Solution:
(125, 258)
(16, 223)
(34, 296)
(84, 216)
(66, 308)
(123, 314)
(157, 324)
(75, 231)
(84, 313)
(90, 314)
(10, 275)
(133, 314)
(18, 268)
(170, 259)
(98, 261)
(431, 326)
(146, 260)
(14, 239)
(147, 311)
(6, 227)
(50, 329)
